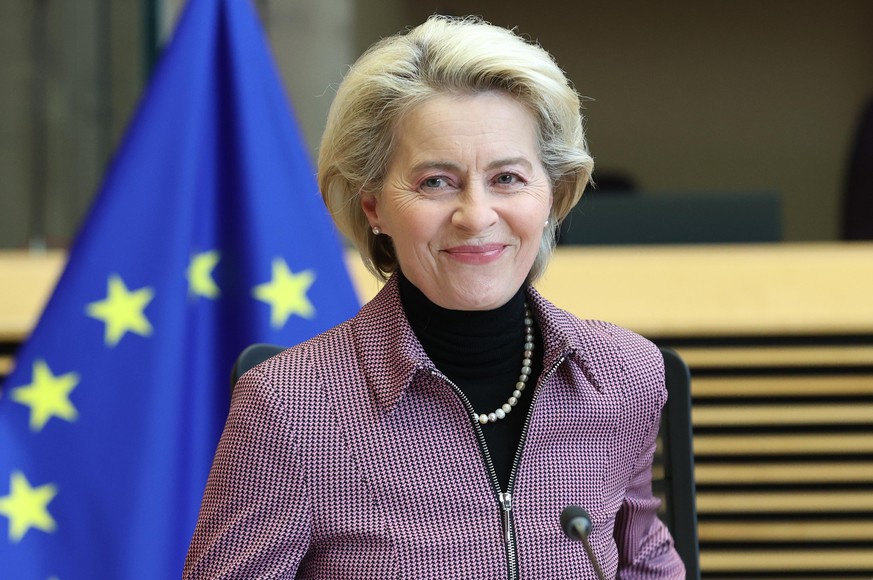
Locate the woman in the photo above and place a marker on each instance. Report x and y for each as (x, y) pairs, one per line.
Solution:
(441, 432)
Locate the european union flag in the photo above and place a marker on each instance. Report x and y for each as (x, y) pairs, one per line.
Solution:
(207, 235)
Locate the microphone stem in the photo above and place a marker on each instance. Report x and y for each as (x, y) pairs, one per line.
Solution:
(592, 558)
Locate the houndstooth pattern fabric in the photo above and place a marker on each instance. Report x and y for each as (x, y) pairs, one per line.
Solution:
(350, 457)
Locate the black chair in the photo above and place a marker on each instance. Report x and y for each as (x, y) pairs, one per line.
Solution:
(251, 356)
(858, 191)
(673, 471)
(673, 477)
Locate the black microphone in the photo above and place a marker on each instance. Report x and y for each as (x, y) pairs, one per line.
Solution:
(576, 524)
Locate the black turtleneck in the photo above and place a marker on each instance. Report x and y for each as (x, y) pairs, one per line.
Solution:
(480, 351)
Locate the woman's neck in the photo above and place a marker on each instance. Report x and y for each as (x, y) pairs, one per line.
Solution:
(467, 344)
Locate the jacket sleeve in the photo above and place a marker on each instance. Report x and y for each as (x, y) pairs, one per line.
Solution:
(254, 519)
(644, 543)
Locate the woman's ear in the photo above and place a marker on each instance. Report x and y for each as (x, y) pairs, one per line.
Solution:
(369, 205)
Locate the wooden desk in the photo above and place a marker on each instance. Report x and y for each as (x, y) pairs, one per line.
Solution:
(26, 282)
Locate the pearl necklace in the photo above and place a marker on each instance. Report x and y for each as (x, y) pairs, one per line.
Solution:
(523, 377)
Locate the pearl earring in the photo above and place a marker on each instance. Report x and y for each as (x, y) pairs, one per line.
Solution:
(376, 230)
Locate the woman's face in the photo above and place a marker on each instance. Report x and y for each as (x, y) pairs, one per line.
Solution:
(465, 199)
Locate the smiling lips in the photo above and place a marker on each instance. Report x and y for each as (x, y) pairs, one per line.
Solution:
(478, 254)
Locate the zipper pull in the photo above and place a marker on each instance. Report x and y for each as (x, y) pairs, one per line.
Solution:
(506, 502)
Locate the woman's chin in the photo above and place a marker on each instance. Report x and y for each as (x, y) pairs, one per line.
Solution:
(486, 295)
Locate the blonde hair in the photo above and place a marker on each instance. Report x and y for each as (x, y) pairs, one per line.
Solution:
(444, 55)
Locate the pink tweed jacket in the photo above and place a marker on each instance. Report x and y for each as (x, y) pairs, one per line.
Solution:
(350, 456)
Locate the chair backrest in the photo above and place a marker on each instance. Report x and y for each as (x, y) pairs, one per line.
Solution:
(858, 193)
(251, 356)
(673, 473)
(674, 470)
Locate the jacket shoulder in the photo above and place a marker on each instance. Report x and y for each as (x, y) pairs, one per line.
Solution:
(641, 359)
(615, 356)
(635, 348)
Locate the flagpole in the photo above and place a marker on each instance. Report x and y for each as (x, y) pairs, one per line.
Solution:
(36, 234)
(150, 19)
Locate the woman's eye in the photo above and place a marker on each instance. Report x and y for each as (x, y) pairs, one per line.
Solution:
(507, 179)
(433, 182)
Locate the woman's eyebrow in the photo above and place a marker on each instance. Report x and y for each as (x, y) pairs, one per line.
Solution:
(444, 165)
(523, 161)
(452, 166)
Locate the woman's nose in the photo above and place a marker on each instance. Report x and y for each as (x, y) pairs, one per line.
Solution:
(475, 211)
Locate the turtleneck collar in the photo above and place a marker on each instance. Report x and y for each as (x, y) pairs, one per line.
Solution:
(466, 344)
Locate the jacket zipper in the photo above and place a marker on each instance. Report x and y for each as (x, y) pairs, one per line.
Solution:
(504, 498)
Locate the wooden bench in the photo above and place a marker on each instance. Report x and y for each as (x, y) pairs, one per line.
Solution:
(783, 440)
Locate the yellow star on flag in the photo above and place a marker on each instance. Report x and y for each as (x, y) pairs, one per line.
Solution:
(27, 507)
(47, 396)
(122, 310)
(199, 274)
(286, 293)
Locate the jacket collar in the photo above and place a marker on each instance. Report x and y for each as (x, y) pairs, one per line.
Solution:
(389, 351)
(392, 356)
(590, 345)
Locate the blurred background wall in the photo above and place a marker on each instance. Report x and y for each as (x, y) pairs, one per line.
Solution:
(709, 97)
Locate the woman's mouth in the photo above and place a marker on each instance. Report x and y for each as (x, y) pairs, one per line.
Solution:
(476, 254)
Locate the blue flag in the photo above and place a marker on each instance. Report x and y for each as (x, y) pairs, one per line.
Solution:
(208, 234)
